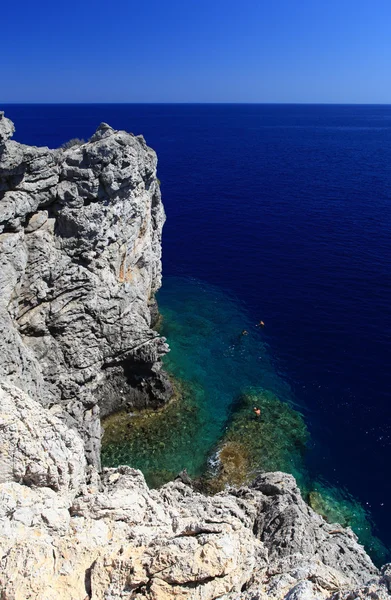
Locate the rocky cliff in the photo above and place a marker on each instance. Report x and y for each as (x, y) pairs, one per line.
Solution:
(80, 262)
(80, 246)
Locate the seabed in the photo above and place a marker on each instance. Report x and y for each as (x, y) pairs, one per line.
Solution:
(210, 428)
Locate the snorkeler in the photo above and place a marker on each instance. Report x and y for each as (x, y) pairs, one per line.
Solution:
(257, 411)
(260, 324)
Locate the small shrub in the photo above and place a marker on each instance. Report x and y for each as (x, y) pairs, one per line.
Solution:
(73, 142)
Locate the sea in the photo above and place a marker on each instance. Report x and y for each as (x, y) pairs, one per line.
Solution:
(281, 214)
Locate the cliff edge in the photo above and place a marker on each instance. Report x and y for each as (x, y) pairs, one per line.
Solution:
(80, 248)
(80, 262)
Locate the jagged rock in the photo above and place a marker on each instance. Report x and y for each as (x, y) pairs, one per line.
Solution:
(288, 526)
(66, 532)
(80, 263)
(36, 448)
(6, 128)
(375, 589)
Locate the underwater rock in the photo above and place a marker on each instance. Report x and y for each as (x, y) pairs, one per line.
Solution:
(273, 438)
(153, 440)
(276, 440)
(80, 249)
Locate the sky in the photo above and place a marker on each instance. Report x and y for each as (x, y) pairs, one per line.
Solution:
(323, 51)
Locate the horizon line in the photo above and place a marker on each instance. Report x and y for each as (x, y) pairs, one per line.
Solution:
(197, 103)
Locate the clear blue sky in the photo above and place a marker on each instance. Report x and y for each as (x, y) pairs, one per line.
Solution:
(196, 51)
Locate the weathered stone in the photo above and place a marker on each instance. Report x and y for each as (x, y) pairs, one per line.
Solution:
(109, 536)
(36, 221)
(36, 448)
(7, 128)
(76, 290)
(287, 526)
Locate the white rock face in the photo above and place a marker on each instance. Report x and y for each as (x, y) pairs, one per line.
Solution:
(80, 262)
(36, 449)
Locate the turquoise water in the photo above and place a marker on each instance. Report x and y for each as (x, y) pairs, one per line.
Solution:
(204, 326)
(218, 353)
(221, 359)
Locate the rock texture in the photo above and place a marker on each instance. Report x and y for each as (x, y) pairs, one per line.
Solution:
(80, 247)
(67, 532)
(80, 262)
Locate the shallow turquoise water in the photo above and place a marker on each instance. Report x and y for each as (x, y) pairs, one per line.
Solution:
(204, 326)
(220, 354)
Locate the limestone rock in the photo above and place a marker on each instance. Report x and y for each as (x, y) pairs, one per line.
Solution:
(36, 448)
(288, 526)
(80, 256)
(376, 589)
(67, 532)
(6, 128)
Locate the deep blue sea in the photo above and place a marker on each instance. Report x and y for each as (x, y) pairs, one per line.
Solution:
(284, 210)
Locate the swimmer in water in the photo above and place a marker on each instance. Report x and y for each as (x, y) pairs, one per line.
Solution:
(260, 324)
(257, 411)
(244, 332)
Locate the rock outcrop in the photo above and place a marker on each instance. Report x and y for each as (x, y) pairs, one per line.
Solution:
(80, 262)
(67, 532)
(80, 248)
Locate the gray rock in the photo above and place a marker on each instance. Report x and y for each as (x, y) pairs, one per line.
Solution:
(80, 264)
(375, 589)
(66, 532)
(7, 128)
(302, 591)
(36, 221)
(288, 526)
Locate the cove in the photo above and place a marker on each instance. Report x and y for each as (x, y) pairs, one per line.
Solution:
(215, 362)
(222, 365)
